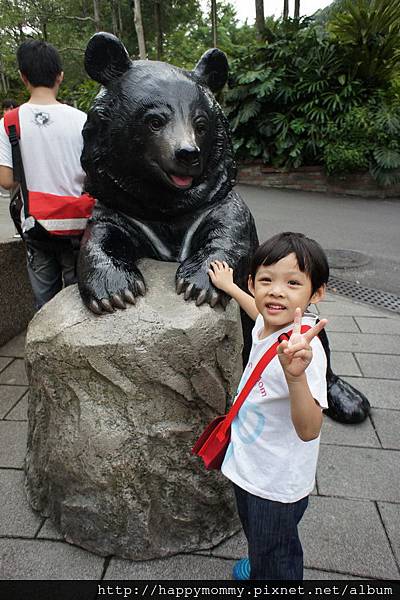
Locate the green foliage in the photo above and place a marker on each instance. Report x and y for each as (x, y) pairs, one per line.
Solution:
(296, 100)
(369, 31)
(69, 25)
(284, 93)
(82, 96)
(342, 157)
(317, 91)
(367, 138)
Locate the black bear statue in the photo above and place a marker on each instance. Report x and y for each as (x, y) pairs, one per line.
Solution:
(159, 161)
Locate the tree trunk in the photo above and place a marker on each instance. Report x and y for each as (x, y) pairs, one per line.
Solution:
(159, 33)
(214, 23)
(285, 9)
(114, 17)
(139, 29)
(96, 15)
(120, 22)
(3, 80)
(260, 20)
(297, 9)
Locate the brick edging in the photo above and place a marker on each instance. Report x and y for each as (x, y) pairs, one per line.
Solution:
(314, 179)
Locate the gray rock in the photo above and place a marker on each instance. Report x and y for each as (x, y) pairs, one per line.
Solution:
(15, 290)
(116, 403)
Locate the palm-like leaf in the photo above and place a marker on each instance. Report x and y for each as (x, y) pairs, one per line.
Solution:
(370, 29)
(387, 158)
(385, 177)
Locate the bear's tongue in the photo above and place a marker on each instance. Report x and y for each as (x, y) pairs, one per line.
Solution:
(181, 181)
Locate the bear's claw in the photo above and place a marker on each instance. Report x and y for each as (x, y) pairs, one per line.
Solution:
(94, 307)
(201, 297)
(117, 301)
(129, 297)
(179, 285)
(141, 288)
(214, 299)
(106, 305)
(188, 291)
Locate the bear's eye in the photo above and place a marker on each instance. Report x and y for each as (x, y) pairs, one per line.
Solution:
(155, 123)
(200, 126)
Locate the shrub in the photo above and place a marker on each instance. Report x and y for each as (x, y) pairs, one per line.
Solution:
(297, 100)
(369, 32)
(284, 94)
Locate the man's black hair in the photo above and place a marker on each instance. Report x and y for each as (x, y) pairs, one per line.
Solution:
(8, 103)
(39, 62)
(310, 256)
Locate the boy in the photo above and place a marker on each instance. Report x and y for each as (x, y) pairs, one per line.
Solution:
(273, 453)
(51, 145)
(8, 104)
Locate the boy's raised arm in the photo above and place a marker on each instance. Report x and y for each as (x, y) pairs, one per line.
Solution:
(221, 276)
(295, 355)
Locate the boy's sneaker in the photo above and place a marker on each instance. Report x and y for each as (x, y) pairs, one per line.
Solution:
(241, 570)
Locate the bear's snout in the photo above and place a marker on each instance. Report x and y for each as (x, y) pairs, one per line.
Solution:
(188, 155)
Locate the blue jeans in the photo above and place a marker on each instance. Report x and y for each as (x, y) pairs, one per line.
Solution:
(275, 550)
(51, 265)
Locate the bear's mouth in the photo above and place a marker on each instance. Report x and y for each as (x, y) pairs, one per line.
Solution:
(183, 183)
(169, 175)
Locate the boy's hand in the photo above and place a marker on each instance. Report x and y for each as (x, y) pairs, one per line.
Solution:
(296, 354)
(221, 275)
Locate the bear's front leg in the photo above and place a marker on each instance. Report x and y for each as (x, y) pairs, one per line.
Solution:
(107, 273)
(227, 233)
(193, 280)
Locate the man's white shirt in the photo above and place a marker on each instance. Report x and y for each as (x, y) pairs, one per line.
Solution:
(51, 146)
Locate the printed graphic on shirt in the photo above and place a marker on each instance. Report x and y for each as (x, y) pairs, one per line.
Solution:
(248, 425)
(42, 119)
(261, 388)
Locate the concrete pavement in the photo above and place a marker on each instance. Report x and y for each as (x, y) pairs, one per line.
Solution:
(351, 529)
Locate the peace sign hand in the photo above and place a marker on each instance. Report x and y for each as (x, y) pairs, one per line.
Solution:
(296, 354)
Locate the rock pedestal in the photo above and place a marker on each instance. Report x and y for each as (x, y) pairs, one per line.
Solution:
(116, 403)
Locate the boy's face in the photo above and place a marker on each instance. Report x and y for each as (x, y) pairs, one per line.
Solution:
(279, 289)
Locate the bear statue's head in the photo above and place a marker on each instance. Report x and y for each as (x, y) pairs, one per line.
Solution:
(156, 143)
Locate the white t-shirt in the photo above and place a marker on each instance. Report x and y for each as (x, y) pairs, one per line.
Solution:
(266, 457)
(51, 146)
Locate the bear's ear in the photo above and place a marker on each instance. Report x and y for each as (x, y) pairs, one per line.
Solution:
(212, 68)
(106, 58)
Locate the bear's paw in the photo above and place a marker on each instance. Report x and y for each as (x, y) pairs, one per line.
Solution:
(113, 290)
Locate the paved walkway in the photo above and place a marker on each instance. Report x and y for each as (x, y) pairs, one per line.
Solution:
(351, 529)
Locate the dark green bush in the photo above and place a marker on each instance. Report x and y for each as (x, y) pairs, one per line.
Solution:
(284, 94)
(296, 100)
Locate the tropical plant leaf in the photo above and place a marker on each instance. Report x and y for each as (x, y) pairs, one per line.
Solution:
(369, 30)
(385, 177)
(248, 110)
(387, 158)
(250, 77)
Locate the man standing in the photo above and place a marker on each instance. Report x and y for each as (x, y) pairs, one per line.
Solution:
(51, 144)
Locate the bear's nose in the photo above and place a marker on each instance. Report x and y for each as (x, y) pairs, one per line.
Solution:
(188, 155)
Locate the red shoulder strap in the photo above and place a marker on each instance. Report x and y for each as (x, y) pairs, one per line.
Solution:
(252, 380)
(11, 117)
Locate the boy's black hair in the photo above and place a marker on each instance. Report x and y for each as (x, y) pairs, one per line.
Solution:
(39, 62)
(8, 103)
(310, 256)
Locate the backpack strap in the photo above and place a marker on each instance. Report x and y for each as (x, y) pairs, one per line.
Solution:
(13, 130)
(11, 118)
(252, 380)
